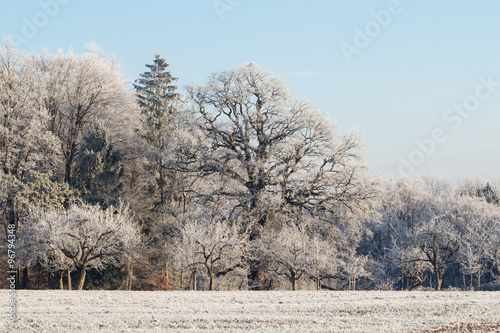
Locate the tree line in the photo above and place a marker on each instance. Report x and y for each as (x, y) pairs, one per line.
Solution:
(231, 184)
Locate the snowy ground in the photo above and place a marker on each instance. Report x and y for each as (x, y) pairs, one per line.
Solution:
(304, 311)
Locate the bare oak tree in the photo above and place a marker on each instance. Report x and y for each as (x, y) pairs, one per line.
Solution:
(266, 152)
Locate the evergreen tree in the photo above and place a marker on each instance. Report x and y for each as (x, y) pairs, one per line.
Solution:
(101, 169)
(489, 194)
(44, 191)
(159, 104)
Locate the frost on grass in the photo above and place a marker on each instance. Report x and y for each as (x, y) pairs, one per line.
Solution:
(275, 311)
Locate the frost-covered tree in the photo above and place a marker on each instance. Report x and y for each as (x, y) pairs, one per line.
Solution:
(35, 251)
(86, 235)
(469, 186)
(438, 240)
(427, 227)
(298, 250)
(323, 259)
(354, 267)
(477, 187)
(411, 269)
(16, 198)
(78, 92)
(402, 204)
(481, 237)
(489, 194)
(26, 144)
(208, 241)
(425, 222)
(159, 103)
(262, 150)
(284, 250)
(44, 191)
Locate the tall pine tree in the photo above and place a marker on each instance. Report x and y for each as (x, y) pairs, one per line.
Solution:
(159, 104)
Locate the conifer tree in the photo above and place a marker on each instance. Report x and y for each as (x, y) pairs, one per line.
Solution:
(100, 167)
(489, 194)
(159, 104)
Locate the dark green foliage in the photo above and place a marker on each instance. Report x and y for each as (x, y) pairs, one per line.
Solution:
(43, 190)
(489, 194)
(100, 168)
(156, 94)
(110, 278)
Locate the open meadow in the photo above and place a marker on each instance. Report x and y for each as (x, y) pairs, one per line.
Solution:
(274, 311)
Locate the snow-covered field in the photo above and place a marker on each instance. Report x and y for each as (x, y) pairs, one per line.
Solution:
(275, 311)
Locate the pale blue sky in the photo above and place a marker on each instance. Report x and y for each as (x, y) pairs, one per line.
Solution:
(395, 90)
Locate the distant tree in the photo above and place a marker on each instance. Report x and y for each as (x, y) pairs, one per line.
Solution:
(414, 270)
(36, 249)
(427, 224)
(354, 267)
(296, 251)
(86, 235)
(481, 238)
(474, 187)
(209, 242)
(42, 190)
(469, 186)
(323, 260)
(16, 198)
(284, 251)
(489, 194)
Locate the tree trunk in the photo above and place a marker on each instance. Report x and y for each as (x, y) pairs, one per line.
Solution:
(438, 284)
(210, 272)
(26, 277)
(81, 279)
(161, 176)
(193, 279)
(130, 271)
(69, 279)
(438, 274)
(130, 274)
(67, 170)
(318, 285)
(18, 277)
(293, 279)
(61, 282)
(50, 276)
